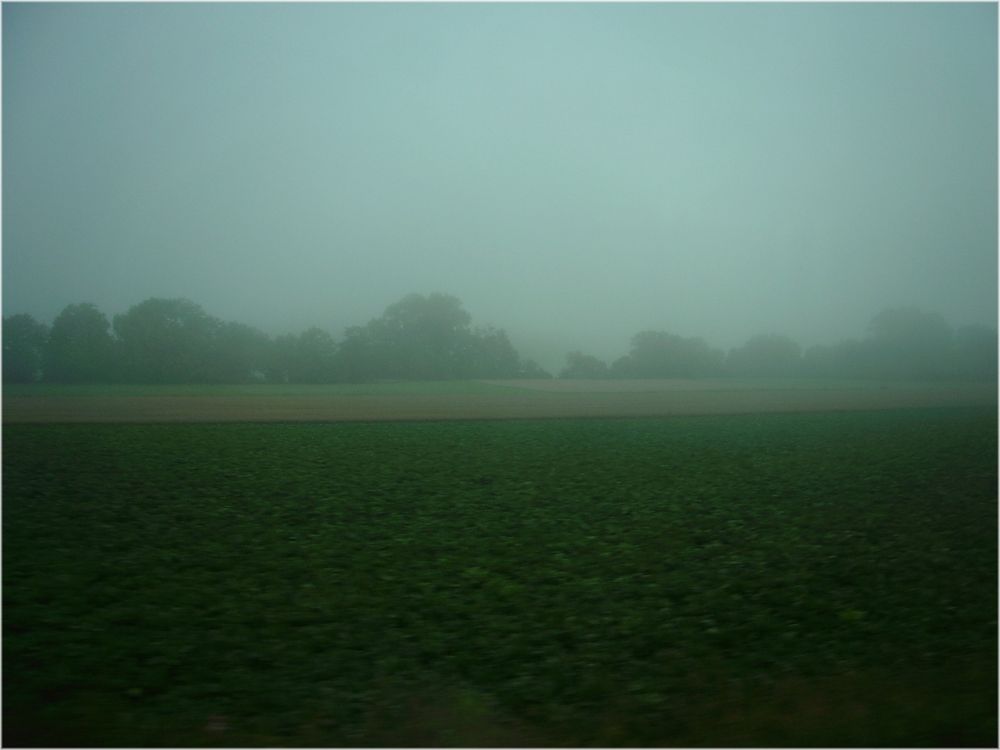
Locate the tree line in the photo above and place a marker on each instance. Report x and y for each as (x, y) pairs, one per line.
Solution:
(176, 341)
(432, 338)
(901, 343)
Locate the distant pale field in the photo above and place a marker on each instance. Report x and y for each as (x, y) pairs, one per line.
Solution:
(492, 399)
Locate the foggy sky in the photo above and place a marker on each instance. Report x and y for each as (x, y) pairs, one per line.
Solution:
(573, 173)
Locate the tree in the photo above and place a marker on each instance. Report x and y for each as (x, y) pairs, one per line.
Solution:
(420, 338)
(239, 354)
(358, 357)
(314, 358)
(428, 338)
(657, 354)
(488, 353)
(79, 347)
(584, 366)
(309, 357)
(175, 341)
(167, 341)
(766, 355)
(423, 338)
(24, 341)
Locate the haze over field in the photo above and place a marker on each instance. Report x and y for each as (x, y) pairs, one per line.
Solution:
(573, 173)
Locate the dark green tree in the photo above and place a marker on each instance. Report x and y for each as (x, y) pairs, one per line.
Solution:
(24, 341)
(314, 358)
(308, 357)
(364, 355)
(240, 354)
(422, 337)
(488, 354)
(79, 347)
(167, 341)
(428, 338)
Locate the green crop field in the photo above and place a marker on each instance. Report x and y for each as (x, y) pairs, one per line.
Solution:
(781, 579)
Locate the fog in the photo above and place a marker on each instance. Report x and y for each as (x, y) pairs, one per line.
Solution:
(573, 173)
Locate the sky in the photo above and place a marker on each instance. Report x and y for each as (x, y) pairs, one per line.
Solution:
(574, 173)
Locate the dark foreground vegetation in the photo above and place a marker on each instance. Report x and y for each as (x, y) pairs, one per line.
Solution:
(174, 341)
(810, 579)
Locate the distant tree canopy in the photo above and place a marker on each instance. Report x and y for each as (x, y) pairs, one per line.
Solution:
(908, 343)
(166, 341)
(79, 348)
(24, 340)
(422, 338)
(902, 343)
(428, 338)
(431, 337)
(176, 341)
(309, 357)
(657, 354)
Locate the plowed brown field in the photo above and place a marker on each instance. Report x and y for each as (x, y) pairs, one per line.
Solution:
(542, 399)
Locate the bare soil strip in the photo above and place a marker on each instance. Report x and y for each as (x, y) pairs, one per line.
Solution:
(548, 400)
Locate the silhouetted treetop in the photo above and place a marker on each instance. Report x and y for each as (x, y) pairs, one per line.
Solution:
(79, 347)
